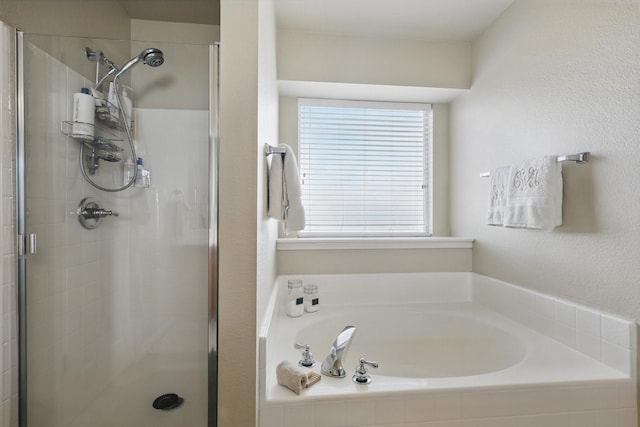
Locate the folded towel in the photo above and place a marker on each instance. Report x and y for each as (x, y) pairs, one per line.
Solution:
(285, 194)
(294, 377)
(498, 199)
(534, 194)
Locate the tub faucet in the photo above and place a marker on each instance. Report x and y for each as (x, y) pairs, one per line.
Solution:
(332, 365)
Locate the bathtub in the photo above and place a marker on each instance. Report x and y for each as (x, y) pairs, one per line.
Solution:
(452, 347)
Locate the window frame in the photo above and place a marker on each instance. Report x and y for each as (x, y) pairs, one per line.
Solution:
(427, 165)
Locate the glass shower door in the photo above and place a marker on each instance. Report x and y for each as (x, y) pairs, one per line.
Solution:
(115, 324)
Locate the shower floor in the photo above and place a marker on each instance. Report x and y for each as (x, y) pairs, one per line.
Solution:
(128, 402)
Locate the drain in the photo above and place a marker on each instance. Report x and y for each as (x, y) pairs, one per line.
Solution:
(167, 401)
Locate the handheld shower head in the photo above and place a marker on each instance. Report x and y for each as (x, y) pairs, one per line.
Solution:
(152, 57)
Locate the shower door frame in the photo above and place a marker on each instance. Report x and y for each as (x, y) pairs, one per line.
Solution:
(21, 227)
(27, 244)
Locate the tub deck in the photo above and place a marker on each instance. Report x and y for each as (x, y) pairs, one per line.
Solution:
(545, 360)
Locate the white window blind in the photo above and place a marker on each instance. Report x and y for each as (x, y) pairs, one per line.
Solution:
(364, 167)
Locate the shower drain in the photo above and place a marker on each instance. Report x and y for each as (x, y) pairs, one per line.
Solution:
(167, 401)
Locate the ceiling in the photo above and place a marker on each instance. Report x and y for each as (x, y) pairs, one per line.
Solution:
(459, 20)
(189, 11)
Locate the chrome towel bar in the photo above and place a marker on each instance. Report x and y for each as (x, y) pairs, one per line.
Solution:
(578, 158)
(270, 149)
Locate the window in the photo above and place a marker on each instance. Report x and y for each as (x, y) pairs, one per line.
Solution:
(364, 167)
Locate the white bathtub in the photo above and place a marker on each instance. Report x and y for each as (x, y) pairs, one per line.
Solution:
(439, 341)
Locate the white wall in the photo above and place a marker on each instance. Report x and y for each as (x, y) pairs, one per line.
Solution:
(557, 78)
(332, 58)
(267, 133)
(248, 119)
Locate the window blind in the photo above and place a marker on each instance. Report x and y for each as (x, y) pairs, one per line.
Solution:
(364, 167)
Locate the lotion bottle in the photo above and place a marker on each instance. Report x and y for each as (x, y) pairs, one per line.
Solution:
(295, 299)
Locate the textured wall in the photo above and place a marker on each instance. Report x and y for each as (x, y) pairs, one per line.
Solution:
(237, 216)
(267, 132)
(557, 78)
(330, 58)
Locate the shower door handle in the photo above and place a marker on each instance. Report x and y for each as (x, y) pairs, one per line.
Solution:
(27, 244)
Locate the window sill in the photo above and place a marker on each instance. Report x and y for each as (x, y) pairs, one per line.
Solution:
(324, 243)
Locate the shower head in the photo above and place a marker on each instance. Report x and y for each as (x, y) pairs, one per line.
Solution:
(152, 57)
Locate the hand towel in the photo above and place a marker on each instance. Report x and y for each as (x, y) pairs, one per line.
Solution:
(275, 194)
(534, 194)
(285, 193)
(294, 377)
(294, 218)
(497, 197)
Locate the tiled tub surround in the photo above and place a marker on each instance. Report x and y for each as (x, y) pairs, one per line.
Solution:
(567, 365)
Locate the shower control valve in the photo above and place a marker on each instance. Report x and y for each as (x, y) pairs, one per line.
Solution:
(90, 213)
(361, 376)
(307, 357)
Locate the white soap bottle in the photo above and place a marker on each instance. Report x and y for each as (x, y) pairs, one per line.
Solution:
(311, 299)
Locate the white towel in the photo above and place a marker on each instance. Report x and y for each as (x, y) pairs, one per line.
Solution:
(285, 194)
(294, 377)
(498, 195)
(534, 194)
(275, 195)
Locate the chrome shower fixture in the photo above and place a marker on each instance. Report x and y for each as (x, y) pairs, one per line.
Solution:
(97, 56)
(152, 57)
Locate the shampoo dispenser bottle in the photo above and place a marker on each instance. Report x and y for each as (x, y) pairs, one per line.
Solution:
(83, 115)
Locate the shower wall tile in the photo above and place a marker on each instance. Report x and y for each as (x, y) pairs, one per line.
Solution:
(581, 406)
(603, 337)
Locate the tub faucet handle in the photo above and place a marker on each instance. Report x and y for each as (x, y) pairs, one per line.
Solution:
(307, 357)
(361, 376)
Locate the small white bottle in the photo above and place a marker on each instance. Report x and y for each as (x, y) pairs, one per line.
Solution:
(83, 115)
(143, 177)
(295, 299)
(311, 300)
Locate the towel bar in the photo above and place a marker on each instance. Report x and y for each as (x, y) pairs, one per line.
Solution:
(578, 158)
(269, 150)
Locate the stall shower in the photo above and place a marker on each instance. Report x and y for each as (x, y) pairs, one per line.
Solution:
(117, 274)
